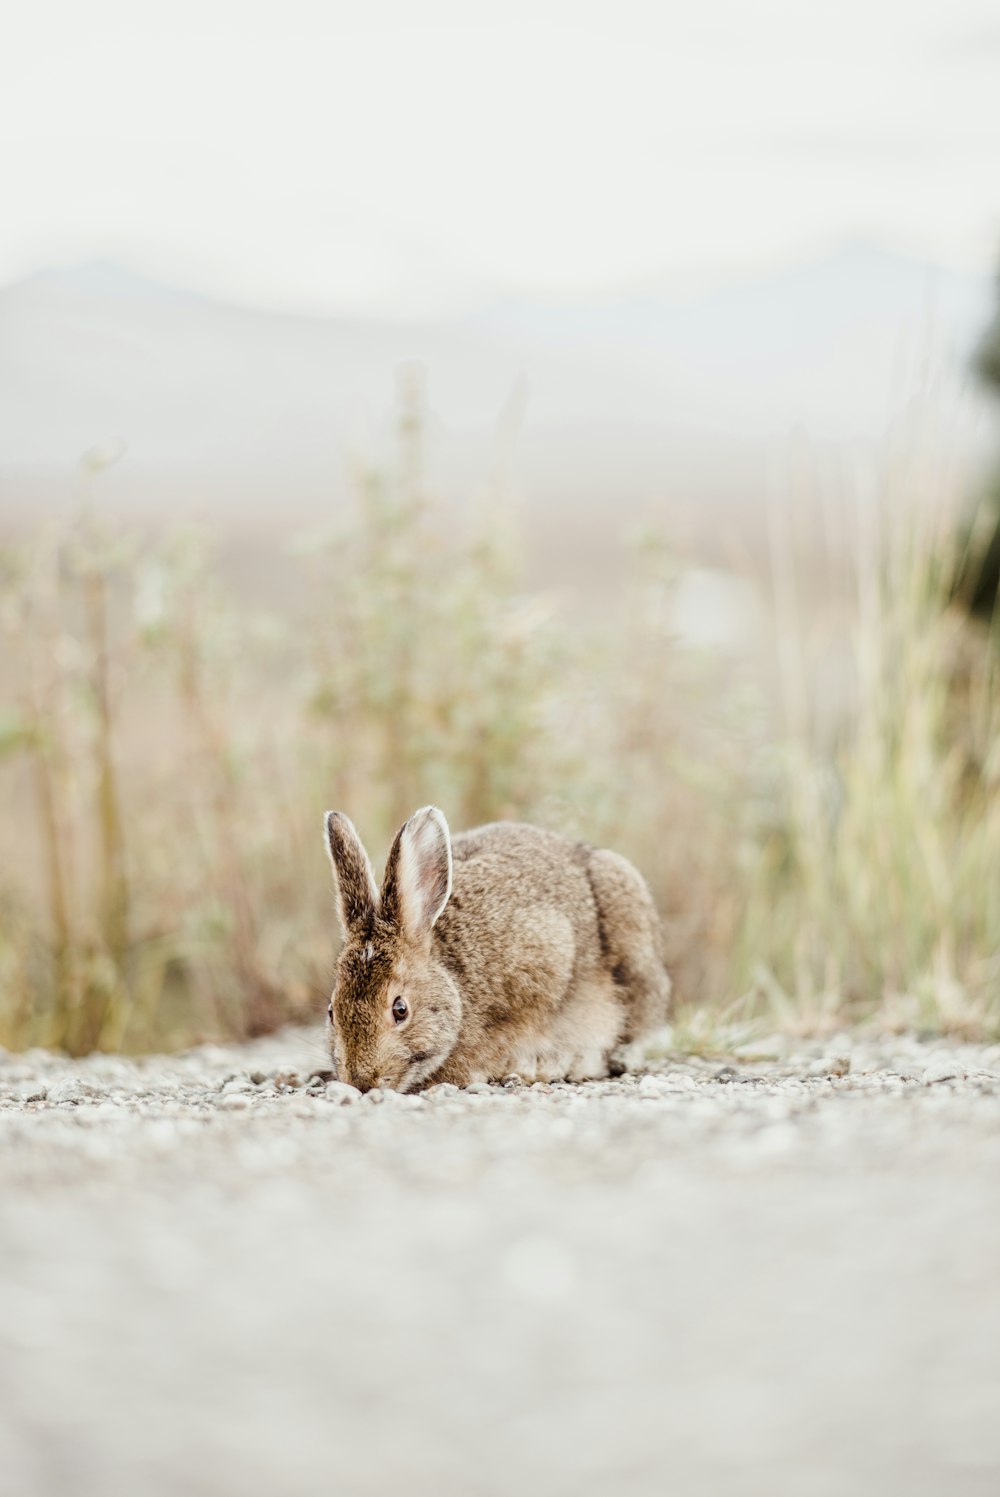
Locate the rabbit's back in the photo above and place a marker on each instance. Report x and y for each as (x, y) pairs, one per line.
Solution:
(555, 948)
(509, 865)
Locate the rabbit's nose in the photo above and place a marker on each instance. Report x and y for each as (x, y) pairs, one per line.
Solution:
(370, 1083)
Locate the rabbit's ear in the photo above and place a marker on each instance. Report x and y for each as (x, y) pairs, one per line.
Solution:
(417, 879)
(357, 894)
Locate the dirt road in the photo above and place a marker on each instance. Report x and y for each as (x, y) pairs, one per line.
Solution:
(766, 1276)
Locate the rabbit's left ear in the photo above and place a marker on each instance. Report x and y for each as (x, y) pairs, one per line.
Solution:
(357, 895)
(417, 880)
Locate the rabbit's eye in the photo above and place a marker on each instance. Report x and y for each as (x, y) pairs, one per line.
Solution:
(400, 1009)
(329, 1011)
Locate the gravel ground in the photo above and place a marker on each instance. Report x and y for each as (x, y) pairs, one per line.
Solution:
(775, 1275)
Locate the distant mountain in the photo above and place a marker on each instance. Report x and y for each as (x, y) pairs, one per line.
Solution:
(622, 402)
(834, 346)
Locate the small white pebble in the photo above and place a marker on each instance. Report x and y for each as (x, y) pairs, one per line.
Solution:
(945, 1068)
(340, 1093)
(235, 1102)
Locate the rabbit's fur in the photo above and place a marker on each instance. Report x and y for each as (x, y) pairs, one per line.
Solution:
(515, 950)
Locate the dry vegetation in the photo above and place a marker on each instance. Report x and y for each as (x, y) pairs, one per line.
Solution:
(167, 755)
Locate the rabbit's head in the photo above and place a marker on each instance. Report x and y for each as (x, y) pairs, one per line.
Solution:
(395, 1011)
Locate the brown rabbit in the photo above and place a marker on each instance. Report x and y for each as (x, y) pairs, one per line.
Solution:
(506, 950)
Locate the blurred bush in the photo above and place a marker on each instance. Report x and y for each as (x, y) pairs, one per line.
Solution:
(978, 563)
(167, 756)
(874, 892)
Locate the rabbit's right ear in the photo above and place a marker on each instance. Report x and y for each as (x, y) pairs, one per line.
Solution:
(417, 882)
(357, 892)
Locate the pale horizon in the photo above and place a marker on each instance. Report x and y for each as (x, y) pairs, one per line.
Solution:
(299, 159)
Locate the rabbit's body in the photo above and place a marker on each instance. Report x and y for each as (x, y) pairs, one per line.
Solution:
(512, 950)
(531, 936)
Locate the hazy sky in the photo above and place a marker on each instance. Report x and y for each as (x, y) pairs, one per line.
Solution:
(400, 155)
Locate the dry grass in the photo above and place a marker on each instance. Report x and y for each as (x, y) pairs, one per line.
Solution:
(167, 755)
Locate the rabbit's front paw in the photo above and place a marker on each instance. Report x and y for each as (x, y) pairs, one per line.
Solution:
(627, 1057)
(593, 1066)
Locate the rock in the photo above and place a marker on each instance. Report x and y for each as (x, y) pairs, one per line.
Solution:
(29, 1090)
(234, 1102)
(236, 1085)
(72, 1090)
(828, 1065)
(944, 1068)
(287, 1080)
(389, 1097)
(340, 1093)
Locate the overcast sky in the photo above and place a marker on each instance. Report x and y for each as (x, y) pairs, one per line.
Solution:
(393, 155)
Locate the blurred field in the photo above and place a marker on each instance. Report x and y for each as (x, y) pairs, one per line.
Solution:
(800, 750)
